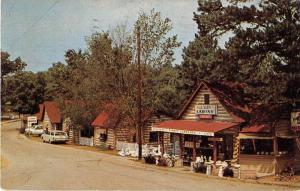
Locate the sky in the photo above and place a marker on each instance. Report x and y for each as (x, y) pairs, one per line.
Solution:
(40, 31)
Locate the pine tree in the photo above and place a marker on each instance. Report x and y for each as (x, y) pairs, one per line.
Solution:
(263, 50)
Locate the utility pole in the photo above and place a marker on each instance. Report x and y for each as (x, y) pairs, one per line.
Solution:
(139, 92)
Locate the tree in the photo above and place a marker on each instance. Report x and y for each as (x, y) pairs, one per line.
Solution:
(25, 90)
(157, 55)
(263, 52)
(10, 66)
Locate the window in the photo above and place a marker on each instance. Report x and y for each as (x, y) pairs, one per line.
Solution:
(257, 146)
(285, 146)
(206, 98)
(153, 137)
(103, 137)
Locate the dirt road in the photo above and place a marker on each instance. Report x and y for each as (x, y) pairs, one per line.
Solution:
(36, 165)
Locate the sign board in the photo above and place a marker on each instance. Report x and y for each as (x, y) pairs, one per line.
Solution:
(295, 120)
(189, 144)
(206, 109)
(218, 139)
(205, 116)
(31, 120)
(182, 131)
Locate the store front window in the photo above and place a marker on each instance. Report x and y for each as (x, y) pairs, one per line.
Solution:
(285, 146)
(257, 146)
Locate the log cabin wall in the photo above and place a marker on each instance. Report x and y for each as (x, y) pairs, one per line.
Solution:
(76, 135)
(96, 136)
(222, 114)
(147, 129)
(46, 122)
(283, 127)
(111, 138)
(123, 132)
(257, 163)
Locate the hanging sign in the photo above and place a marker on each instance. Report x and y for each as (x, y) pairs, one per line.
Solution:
(206, 109)
(190, 144)
(295, 120)
(218, 139)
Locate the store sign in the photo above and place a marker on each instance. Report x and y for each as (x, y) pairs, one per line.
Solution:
(206, 109)
(32, 119)
(295, 120)
(182, 131)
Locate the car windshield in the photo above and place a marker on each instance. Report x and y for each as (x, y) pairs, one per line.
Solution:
(59, 133)
(38, 127)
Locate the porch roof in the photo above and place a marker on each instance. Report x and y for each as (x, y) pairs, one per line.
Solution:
(206, 128)
(100, 120)
(257, 128)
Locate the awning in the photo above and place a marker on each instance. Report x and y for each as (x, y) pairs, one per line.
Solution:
(258, 128)
(192, 127)
(254, 136)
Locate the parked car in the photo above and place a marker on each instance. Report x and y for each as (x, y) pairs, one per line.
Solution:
(55, 137)
(34, 130)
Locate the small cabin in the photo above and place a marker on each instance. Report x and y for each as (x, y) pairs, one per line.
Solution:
(49, 115)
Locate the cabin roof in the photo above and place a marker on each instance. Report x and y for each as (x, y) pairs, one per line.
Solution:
(229, 95)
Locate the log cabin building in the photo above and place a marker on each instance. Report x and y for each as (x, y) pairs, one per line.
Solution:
(49, 115)
(268, 144)
(216, 123)
(110, 129)
(207, 125)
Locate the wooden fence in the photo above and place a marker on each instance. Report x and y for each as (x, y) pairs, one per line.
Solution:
(86, 141)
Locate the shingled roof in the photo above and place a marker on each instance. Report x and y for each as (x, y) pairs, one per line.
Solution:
(108, 118)
(52, 109)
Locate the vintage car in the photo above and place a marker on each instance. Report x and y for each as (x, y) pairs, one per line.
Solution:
(34, 130)
(55, 137)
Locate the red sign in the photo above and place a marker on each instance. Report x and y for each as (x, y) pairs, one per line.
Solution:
(295, 128)
(295, 120)
(205, 116)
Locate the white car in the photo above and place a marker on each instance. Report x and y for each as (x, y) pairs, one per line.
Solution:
(55, 137)
(34, 130)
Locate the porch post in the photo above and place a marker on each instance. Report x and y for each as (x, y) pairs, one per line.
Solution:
(194, 148)
(275, 146)
(181, 145)
(162, 143)
(159, 139)
(215, 151)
